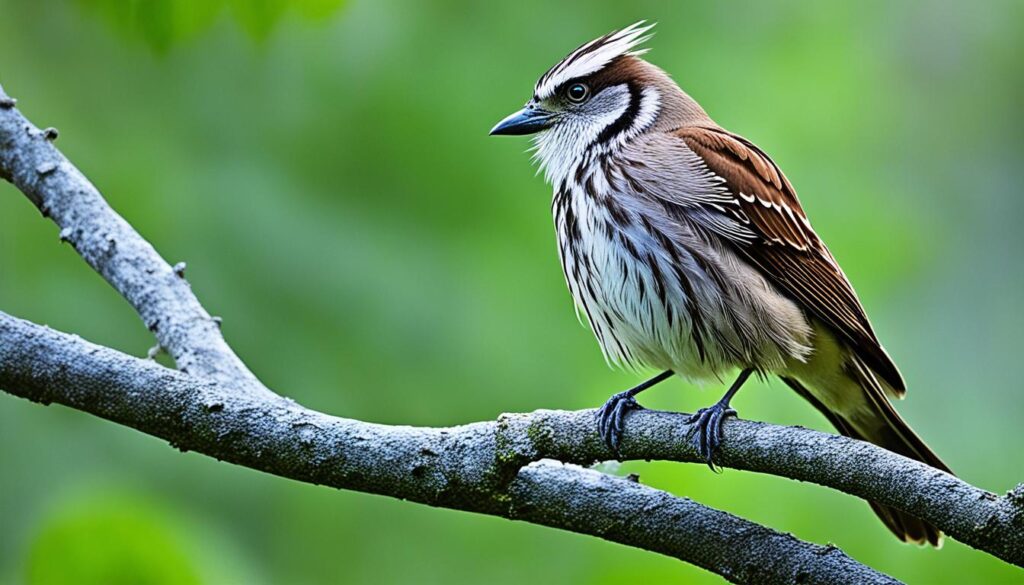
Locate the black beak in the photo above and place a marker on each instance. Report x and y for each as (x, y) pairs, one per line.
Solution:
(528, 120)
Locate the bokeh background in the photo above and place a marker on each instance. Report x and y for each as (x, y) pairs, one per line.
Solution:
(324, 168)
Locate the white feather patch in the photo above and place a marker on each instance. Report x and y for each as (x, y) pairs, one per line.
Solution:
(592, 56)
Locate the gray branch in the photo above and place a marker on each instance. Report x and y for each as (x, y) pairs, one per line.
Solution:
(501, 468)
(158, 292)
(467, 466)
(217, 407)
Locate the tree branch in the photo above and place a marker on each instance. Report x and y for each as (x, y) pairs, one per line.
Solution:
(467, 467)
(489, 467)
(159, 293)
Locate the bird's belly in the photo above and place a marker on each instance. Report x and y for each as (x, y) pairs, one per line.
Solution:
(643, 311)
(651, 301)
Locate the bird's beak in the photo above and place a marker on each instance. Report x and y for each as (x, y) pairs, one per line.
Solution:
(528, 120)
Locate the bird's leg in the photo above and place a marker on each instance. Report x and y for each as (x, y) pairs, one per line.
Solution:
(707, 422)
(609, 416)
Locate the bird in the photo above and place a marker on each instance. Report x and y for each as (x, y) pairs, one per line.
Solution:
(687, 249)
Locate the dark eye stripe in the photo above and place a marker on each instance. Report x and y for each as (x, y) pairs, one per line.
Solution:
(625, 120)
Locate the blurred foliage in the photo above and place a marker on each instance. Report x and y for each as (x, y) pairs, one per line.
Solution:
(113, 537)
(108, 543)
(375, 254)
(162, 23)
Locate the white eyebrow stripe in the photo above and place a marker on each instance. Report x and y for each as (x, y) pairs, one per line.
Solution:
(593, 56)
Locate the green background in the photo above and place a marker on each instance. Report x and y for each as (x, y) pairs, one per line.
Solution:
(325, 170)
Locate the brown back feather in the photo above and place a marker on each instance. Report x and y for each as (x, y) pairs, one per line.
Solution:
(787, 250)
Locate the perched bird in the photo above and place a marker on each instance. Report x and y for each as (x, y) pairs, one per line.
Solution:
(688, 251)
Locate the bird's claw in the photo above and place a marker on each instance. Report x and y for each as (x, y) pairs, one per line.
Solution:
(706, 432)
(610, 417)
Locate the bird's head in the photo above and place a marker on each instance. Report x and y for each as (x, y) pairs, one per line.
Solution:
(596, 98)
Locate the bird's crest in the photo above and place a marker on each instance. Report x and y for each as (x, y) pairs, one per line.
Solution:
(591, 57)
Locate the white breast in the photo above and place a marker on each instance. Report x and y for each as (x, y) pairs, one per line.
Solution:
(649, 298)
(639, 317)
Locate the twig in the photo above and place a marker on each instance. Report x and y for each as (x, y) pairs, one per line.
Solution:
(161, 296)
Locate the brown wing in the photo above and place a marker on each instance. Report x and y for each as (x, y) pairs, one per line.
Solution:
(786, 250)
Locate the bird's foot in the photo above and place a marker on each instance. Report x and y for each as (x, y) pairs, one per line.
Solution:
(706, 432)
(610, 417)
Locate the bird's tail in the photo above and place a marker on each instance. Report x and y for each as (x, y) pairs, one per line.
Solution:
(856, 404)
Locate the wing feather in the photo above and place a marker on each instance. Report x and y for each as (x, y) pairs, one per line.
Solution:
(786, 249)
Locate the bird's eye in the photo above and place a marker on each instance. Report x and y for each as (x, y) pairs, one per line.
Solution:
(577, 93)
